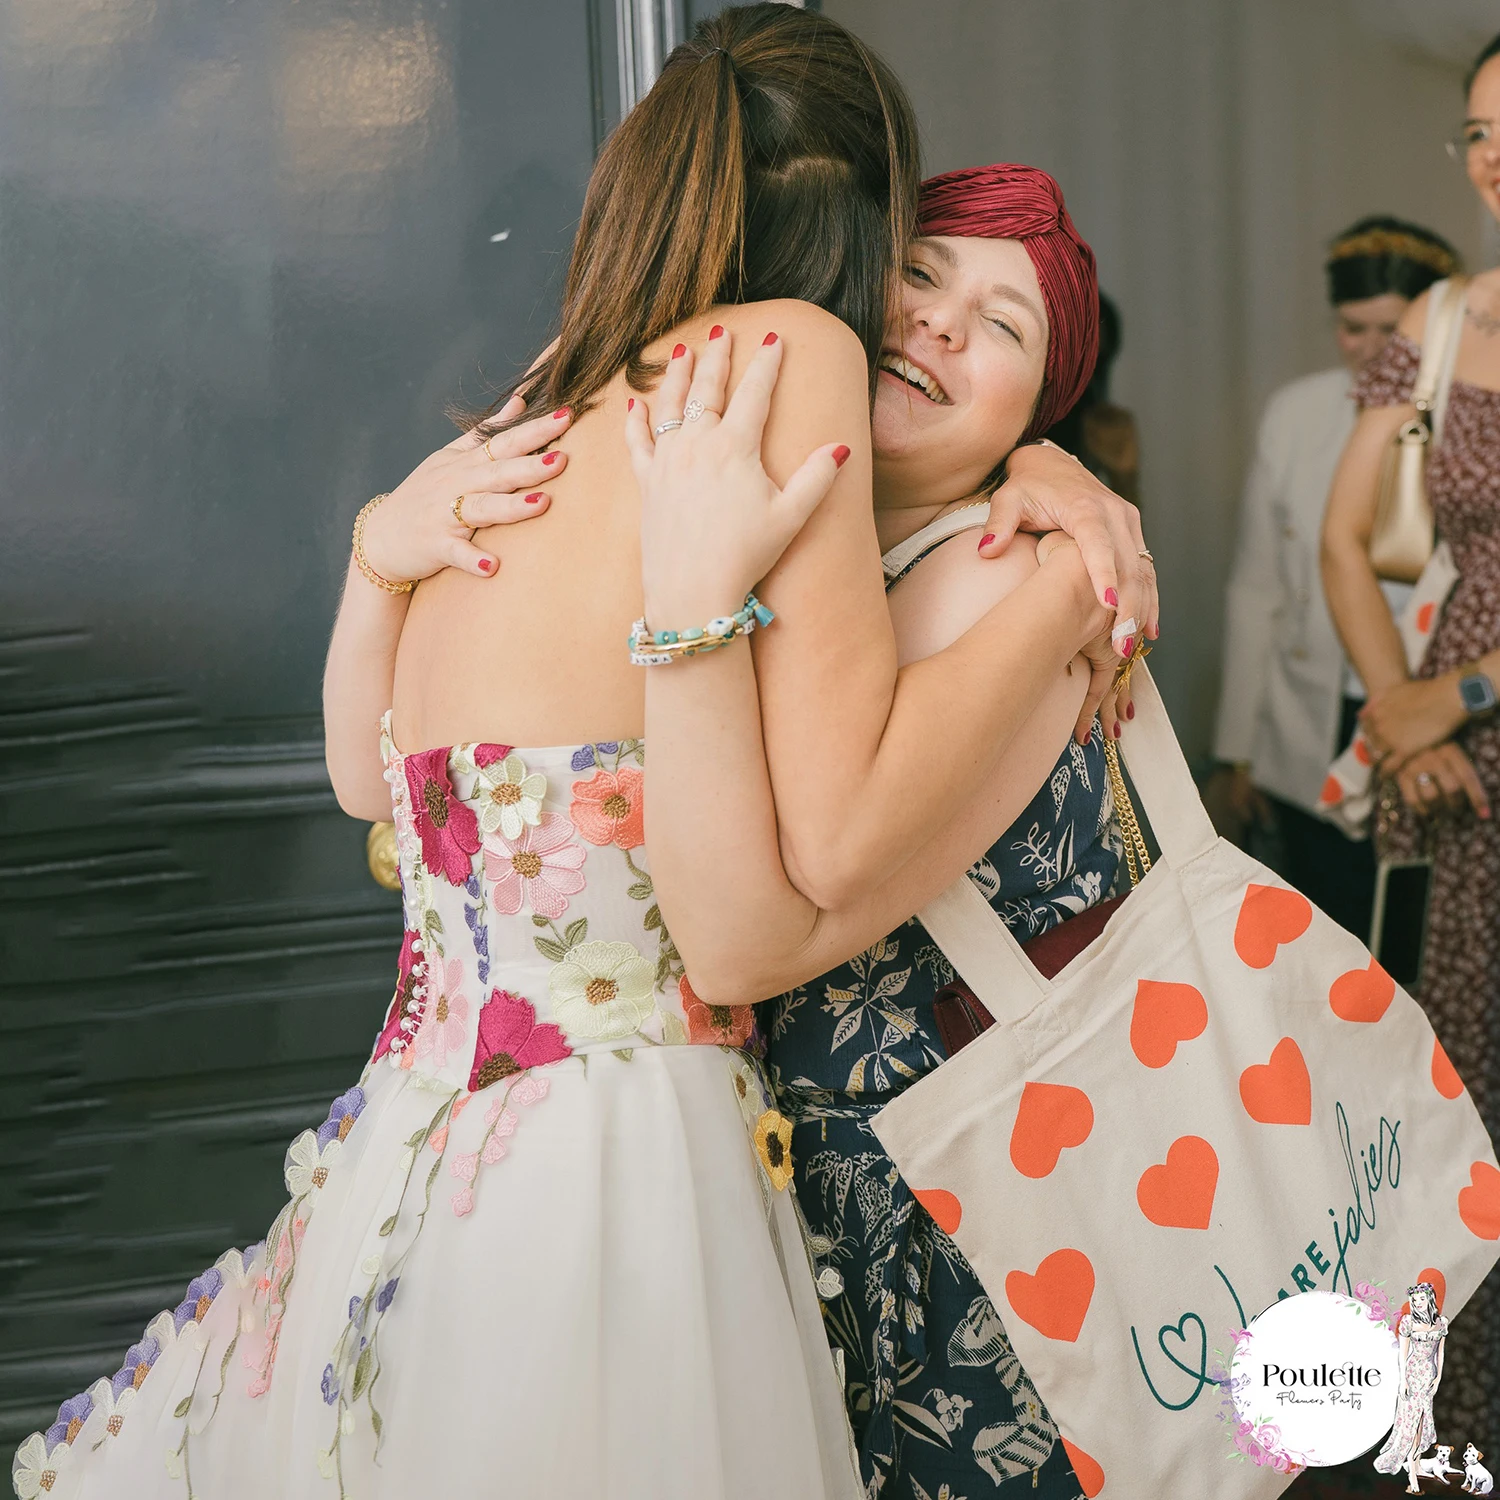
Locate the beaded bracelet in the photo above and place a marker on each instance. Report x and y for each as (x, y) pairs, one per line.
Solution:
(362, 562)
(658, 648)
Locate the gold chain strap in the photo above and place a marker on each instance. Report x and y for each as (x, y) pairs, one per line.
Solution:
(1137, 857)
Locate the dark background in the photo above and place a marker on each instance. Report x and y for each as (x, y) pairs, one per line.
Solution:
(247, 253)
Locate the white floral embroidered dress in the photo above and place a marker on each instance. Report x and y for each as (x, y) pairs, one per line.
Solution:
(540, 1249)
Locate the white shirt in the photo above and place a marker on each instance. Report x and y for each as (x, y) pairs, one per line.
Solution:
(1285, 674)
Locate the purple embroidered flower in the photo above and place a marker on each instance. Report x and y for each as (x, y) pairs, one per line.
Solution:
(355, 1303)
(71, 1416)
(583, 758)
(342, 1114)
(138, 1361)
(386, 1294)
(200, 1297)
(330, 1385)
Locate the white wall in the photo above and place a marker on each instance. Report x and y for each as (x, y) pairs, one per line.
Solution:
(1208, 150)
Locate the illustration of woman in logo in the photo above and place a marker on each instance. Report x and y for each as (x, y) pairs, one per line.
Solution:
(1421, 1331)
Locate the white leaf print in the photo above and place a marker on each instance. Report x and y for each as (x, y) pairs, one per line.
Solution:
(846, 1029)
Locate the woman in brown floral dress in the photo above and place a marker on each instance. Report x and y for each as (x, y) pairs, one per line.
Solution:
(1439, 736)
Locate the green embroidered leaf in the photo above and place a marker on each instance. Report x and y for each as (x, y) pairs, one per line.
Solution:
(432, 1175)
(389, 1227)
(663, 971)
(537, 921)
(549, 949)
(362, 1372)
(575, 932)
(433, 922)
(640, 891)
(181, 1409)
(415, 1139)
(376, 1423)
(625, 1054)
(652, 919)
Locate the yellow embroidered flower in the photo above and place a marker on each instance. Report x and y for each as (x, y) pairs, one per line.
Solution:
(773, 1144)
(602, 990)
(510, 796)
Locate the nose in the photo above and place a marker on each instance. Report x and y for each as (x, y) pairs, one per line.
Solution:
(943, 320)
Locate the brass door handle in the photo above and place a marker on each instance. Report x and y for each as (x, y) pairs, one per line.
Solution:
(380, 851)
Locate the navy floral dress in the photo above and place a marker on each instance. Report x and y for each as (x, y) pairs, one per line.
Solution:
(940, 1406)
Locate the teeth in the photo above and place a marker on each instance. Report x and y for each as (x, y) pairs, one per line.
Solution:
(914, 375)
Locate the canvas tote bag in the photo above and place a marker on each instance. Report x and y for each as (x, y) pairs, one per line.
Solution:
(1220, 1100)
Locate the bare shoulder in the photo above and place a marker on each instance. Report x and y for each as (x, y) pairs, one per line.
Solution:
(953, 589)
(1414, 320)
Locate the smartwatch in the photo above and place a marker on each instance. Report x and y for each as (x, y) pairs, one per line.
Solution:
(1477, 693)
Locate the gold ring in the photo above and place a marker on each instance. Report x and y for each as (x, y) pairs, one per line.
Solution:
(458, 513)
(1146, 555)
(487, 453)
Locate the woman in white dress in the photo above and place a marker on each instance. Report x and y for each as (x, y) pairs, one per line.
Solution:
(535, 1250)
(1421, 1331)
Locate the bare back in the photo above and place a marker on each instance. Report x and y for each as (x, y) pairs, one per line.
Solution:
(537, 655)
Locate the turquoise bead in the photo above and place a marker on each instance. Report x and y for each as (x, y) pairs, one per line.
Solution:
(695, 634)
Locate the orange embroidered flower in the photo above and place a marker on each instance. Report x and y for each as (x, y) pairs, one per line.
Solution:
(773, 1144)
(608, 808)
(715, 1025)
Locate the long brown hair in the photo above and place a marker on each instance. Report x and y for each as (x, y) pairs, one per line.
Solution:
(776, 156)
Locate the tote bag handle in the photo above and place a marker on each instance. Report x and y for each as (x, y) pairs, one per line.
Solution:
(969, 930)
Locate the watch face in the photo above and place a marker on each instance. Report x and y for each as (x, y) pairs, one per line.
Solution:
(1477, 692)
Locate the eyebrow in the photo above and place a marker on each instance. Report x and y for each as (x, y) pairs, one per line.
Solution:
(944, 253)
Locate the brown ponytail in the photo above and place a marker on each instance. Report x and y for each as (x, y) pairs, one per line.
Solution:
(776, 156)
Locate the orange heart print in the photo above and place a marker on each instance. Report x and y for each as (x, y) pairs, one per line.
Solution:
(1270, 915)
(1445, 1077)
(1056, 1299)
(1278, 1092)
(1052, 1117)
(1164, 1015)
(1179, 1193)
(1479, 1203)
(1362, 994)
(943, 1206)
(1085, 1468)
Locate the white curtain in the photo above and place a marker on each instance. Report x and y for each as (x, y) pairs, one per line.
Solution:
(1208, 150)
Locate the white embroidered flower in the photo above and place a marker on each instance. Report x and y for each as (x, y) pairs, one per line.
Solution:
(602, 990)
(108, 1415)
(509, 797)
(307, 1168)
(950, 1410)
(34, 1471)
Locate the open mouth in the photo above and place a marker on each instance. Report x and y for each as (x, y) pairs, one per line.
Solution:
(915, 377)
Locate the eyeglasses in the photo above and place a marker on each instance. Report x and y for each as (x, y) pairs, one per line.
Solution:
(1473, 135)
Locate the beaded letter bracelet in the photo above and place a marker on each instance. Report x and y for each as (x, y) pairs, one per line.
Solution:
(658, 648)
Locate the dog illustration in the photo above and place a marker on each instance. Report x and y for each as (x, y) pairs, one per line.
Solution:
(1438, 1466)
(1477, 1479)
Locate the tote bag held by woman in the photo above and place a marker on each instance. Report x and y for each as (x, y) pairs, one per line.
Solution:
(1221, 1100)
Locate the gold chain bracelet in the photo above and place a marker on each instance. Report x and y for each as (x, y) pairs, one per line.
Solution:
(363, 563)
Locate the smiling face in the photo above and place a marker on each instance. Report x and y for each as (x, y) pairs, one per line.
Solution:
(959, 379)
(1483, 160)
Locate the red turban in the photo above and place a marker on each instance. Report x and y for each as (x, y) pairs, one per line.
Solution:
(1011, 202)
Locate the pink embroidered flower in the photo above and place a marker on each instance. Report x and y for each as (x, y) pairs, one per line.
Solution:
(609, 807)
(531, 1089)
(446, 1023)
(510, 1041)
(542, 867)
(404, 1002)
(449, 830)
(715, 1025)
(463, 1201)
(487, 755)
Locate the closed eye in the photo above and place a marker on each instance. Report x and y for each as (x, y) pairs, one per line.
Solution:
(915, 271)
(1006, 327)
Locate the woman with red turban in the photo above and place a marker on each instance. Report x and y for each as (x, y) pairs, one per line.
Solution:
(996, 339)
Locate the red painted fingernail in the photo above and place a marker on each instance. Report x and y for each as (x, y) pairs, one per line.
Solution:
(1126, 644)
(485, 565)
(535, 499)
(1111, 598)
(840, 454)
(679, 351)
(986, 539)
(1117, 729)
(1152, 632)
(717, 331)
(560, 413)
(630, 405)
(770, 338)
(1130, 710)
(551, 458)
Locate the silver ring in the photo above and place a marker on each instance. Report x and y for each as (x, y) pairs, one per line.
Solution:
(1146, 555)
(693, 410)
(671, 425)
(1424, 778)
